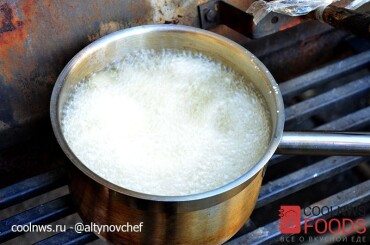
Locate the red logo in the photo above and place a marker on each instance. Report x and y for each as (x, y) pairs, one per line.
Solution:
(290, 219)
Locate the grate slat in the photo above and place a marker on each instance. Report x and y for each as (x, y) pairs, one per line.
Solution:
(317, 77)
(353, 121)
(305, 177)
(270, 233)
(69, 237)
(42, 214)
(31, 187)
(303, 110)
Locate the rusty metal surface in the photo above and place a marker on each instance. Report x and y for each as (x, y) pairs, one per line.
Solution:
(38, 37)
(235, 18)
(357, 23)
(218, 12)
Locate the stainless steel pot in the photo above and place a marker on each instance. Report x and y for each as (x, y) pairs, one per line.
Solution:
(206, 218)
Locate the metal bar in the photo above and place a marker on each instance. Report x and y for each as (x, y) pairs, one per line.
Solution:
(236, 19)
(325, 143)
(345, 19)
(41, 214)
(303, 110)
(315, 78)
(270, 233)
(70, 237)
(32, 187)
(305, 177)
(350, 122)
(217, 12)
(209, 14)
(353, 121)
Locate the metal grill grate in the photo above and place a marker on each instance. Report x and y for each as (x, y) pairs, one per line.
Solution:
(341, 89)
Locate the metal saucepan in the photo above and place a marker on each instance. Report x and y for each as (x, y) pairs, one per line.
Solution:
(206, 218)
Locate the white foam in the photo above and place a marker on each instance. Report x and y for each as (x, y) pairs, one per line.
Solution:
(167, 123)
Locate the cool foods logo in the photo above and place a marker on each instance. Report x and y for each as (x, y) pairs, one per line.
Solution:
(290, 220)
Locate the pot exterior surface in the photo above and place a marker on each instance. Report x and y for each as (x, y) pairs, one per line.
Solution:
(213, 225)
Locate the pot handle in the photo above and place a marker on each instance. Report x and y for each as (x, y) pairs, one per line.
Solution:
(325, 143)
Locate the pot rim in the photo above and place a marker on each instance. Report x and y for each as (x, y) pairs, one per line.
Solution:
(115, 36)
